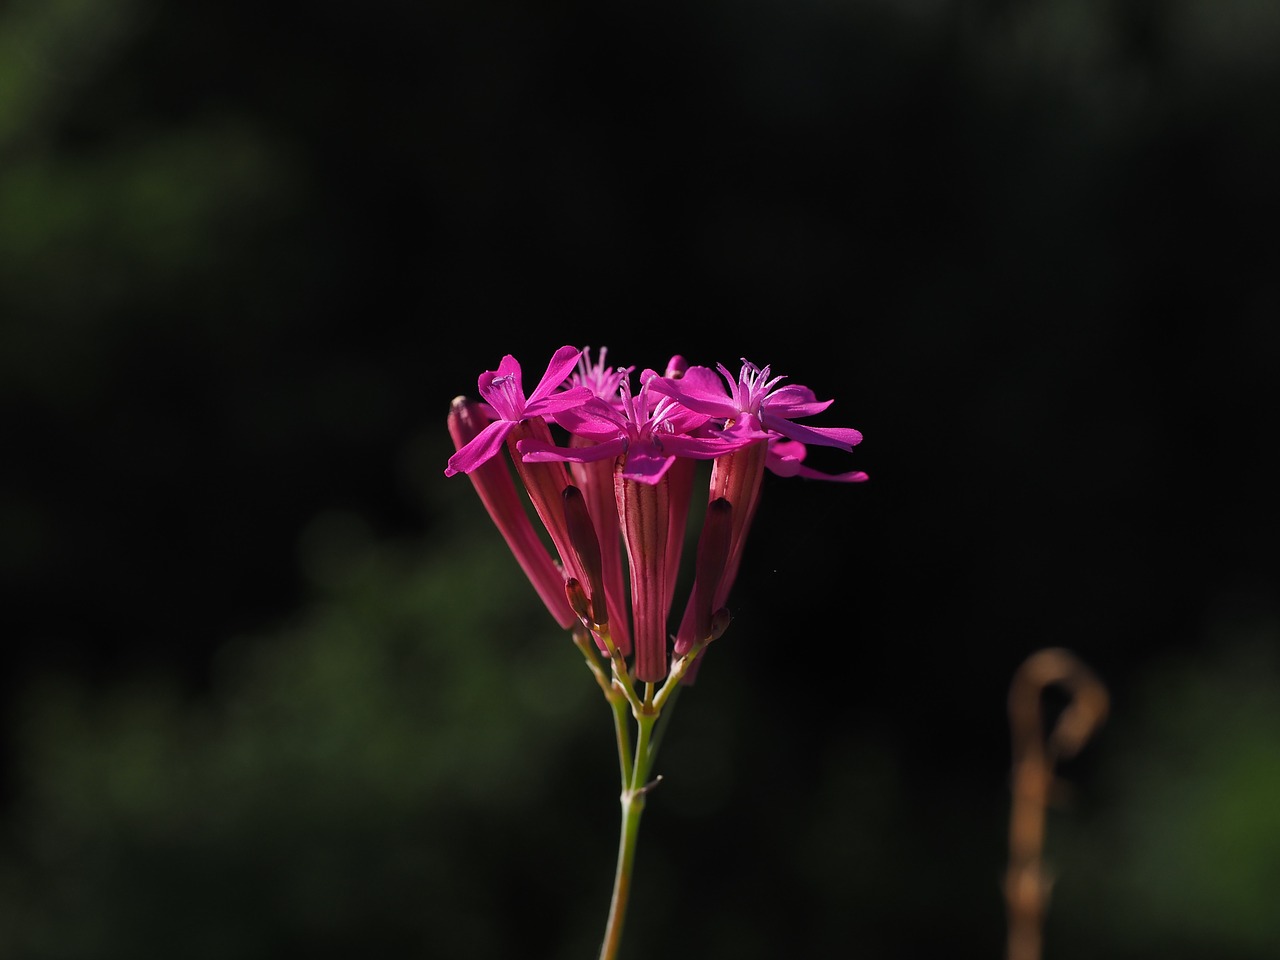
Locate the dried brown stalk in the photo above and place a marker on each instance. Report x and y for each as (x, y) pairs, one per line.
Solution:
(1035, 753)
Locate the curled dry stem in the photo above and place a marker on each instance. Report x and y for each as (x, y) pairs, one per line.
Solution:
(1035, 753)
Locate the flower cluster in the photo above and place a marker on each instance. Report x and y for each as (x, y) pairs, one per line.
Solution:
(610, 467)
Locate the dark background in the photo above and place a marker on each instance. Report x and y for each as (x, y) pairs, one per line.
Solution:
(273, 684)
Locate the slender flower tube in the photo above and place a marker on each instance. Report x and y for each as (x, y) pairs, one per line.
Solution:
(586, 547)
(545, 483)
(492, 481)
(736, 477)
(643, 510)
(595, 480)
(680, 481)
(650, 442)
(712, 557)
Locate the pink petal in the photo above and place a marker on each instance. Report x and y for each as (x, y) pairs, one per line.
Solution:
(480, 449)
(707, 448)
(558, 403)
(700, 389)
(853, 476)
(792, 467)
(794, 401)
(785, 458)
(558, 370)
(646, 466)
(510, 367)
(794, 393)
(539, 451)
(507, 402)
(846, 438)
(594, 419)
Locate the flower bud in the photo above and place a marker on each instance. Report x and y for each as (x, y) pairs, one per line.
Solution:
(497, 491)
(582, 536)
(720, 623)
(709, 567)
(595, 479)
(578, 599)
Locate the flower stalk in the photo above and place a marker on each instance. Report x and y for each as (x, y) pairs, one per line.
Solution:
(613, 497)
(651, 714)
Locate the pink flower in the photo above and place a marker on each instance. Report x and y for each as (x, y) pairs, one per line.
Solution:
(503, 390)
(754, 406)
(603, 381)
(648, 435)
(614, 496)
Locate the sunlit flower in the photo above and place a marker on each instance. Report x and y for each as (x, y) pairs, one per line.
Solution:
(625, 475)
(648, 435)
(597, 376)
(622, 482)
(754, 405)
(503, 392)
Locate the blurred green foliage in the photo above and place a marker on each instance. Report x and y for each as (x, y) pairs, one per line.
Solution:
(373, 777)
(1177, 853)
(418, 764)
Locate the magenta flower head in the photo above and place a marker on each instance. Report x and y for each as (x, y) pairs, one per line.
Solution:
(647, 433)
(611, 471)
(503, 391)
(757, 410)
(755, 406)
(643, 437)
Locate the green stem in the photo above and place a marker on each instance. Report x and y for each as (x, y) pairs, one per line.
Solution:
(632, 807)
(633, 799)
(634, 764)
(664, 718)
(620, 711)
